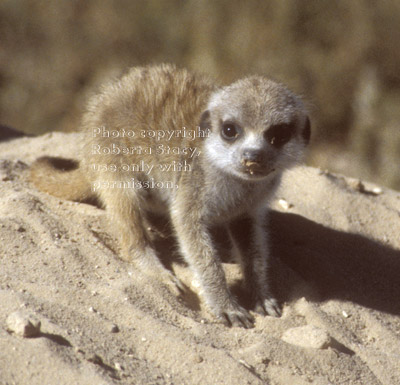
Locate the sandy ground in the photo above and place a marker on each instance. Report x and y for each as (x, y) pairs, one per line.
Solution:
(336, 270)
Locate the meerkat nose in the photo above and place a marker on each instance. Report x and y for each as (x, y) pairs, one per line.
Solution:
(252, 157)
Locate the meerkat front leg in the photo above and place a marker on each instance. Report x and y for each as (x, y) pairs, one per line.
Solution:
(249, 234)
(197, 247)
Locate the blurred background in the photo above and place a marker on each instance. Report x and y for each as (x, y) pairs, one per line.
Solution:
(342, 56)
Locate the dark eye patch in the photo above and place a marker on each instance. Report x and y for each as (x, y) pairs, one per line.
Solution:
(280, 134)
(205, 120)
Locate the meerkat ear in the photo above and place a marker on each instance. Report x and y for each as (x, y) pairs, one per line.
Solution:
(205, 121)
(306, 133)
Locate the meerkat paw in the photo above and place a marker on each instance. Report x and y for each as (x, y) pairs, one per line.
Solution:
(147, 263)
(236, 316)
(173, 283)
(268, 306)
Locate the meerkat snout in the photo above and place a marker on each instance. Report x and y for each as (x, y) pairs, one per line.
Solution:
(254, 161)
(251, 156)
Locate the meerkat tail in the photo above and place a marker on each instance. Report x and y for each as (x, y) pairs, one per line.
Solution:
(60, 177)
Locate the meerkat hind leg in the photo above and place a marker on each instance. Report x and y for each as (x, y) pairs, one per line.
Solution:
(136, 245)
(249, 235)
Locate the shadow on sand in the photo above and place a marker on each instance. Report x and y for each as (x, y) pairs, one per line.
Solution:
(339, 265)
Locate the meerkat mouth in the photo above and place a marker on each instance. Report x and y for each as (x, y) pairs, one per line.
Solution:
(257, 172)
(260, 172)
(255, 169)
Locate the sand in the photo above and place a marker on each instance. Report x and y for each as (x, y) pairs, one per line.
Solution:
(336, 271)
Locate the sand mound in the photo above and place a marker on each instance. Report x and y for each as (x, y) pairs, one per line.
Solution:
(337, 268)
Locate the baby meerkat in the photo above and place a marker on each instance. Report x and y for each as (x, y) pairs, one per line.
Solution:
(163, 140)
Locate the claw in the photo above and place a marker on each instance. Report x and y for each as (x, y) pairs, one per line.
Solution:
(237, 317)
(225, 320)
(174, 283)
(269, 307)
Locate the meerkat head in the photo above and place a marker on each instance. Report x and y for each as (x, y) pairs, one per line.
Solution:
(257, 127)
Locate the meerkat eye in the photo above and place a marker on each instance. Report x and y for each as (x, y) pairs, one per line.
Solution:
(279, 134)
(230, 131)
